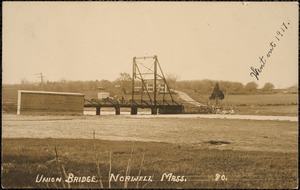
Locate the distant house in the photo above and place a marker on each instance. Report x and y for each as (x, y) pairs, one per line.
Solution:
(161, 86)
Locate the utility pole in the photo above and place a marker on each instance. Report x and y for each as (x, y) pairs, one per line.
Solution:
(41, 76)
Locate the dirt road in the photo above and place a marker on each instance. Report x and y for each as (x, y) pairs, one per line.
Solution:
(185, 97)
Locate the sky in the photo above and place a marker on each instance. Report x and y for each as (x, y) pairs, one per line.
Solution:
(192, 40)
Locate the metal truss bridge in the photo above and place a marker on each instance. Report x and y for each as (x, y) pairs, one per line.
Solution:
(148, 81)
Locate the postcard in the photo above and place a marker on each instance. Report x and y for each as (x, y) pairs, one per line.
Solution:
(160, 95)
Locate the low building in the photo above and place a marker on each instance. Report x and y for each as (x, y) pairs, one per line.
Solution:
(103, 95)
(50, 103)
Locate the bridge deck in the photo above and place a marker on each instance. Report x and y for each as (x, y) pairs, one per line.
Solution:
(163, 107)
(128, 104)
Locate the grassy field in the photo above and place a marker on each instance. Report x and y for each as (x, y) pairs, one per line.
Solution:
(262, 99)
(268, 104)
(24, 159)
(256, 104)
(246, 153)
(250, 99)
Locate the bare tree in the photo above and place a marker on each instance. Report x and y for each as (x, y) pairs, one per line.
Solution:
(172, 81)
(125, 82)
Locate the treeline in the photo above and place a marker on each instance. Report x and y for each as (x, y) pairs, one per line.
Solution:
(67, 86)
(206, 87)
(122, 85)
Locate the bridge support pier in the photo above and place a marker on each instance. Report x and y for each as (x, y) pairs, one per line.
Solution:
(153, 111)
(134, 110)
(98, 110)
(118, 110)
